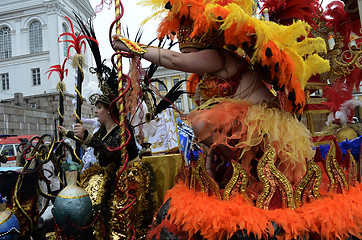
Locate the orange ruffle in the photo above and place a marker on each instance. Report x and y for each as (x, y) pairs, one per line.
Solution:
(334, 217)
(239, 126)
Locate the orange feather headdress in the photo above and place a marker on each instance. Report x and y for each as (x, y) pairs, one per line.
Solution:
(285, 53)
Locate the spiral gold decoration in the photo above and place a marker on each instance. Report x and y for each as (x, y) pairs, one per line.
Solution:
(342, 61)
(123, 193)
(120, 103)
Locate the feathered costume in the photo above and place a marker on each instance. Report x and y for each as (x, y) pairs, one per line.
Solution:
(286, 51)
(270, 187)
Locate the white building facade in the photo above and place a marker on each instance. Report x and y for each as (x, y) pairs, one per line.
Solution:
(29, 31)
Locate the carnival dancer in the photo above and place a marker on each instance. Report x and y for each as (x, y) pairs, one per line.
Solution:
(226, 77)
(258, 153)
(113, 185)
(99, 179)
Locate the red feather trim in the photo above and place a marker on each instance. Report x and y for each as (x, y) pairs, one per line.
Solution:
(62, 72)
(336, 18)
(286, 11)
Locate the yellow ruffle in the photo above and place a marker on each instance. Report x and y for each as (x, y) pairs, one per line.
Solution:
(240, 126)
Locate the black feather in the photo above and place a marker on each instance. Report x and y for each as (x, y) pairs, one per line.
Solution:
(160, 82)
(109, 77)
(92, 44)
(170, 97)
(152, 41)
(268, 52)
(168, 5)
(139, 35)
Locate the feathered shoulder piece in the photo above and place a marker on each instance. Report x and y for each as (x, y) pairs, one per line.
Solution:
(286, 53)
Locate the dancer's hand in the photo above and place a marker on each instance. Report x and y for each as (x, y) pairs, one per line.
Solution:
(120, 43)
(79, 130)
(117, 45)
(62, 130)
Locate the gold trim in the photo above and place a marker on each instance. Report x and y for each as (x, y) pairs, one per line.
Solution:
(309, 185)
(334, 171)
(317, 111)
(206, 182)
(88, 138)
(272, 178)
(73, 197)
(353, 169)
(321, 143)
(237, 183)
(314, 85)
(310, 124)
(110, 130)
(318, 100)
(323, 134)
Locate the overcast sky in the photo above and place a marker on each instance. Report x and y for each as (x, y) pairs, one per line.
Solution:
(133, 16)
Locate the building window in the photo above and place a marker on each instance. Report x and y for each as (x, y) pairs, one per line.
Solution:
(161, 87)
(65, 37)
(33, 105)
(35, 37)
(5, 43)
(175, 80)
(36, 76)
(8, 151)
(178, 104)
(5, 81)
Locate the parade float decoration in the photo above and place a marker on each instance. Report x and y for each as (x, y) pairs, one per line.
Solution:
(72, 207)
(24, 184)
(339, 25)
(124, 183)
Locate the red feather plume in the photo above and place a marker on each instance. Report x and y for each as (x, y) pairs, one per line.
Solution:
(77, 41)
(345, 24)
(285, 11)
(336, 95)
(62, 72)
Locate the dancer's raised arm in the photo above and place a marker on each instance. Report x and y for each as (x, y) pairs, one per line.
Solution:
(188, 60)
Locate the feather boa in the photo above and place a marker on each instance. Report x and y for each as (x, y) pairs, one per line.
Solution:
(335, 216)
